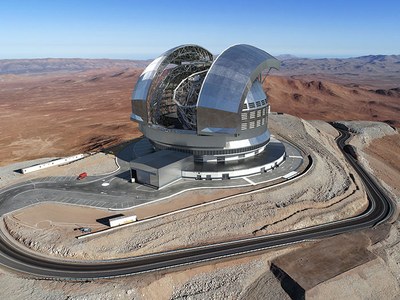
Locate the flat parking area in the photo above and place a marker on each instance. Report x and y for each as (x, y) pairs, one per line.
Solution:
(120, 194)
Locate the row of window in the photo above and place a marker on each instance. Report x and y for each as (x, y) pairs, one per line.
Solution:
(252, 105)
(249, 115)
(255, 118)
(253, 124)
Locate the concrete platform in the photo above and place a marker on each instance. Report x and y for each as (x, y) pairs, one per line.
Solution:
(119, 193)
(272, 155)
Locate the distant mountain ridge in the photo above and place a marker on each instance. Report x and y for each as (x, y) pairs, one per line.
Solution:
(46, 65)
(371, 65)
(388, 65)
(282, 57)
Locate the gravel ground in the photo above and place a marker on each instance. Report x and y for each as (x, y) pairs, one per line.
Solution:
(245, 281)
(325, 194)
(18, 288)
(366, 135)
(241, 278)
(367, 131)
(368, 281)
(220, 284)
(97, 164)
(389, 251)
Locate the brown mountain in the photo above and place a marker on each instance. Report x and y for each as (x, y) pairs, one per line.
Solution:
(86, 106)
(382, 71)
(320, 99)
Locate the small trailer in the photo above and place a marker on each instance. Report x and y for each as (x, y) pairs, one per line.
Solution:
(52, 163)
(121, 220)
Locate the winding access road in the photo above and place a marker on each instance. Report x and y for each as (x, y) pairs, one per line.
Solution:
(381, 208)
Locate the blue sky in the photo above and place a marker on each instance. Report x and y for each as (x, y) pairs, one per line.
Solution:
(144, 29)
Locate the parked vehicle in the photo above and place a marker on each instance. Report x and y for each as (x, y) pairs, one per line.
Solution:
(82, 176)
(121, 220)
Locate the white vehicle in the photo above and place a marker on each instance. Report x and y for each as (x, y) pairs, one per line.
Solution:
(117, 221)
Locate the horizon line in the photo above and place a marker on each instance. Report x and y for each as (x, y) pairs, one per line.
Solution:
(292, 56)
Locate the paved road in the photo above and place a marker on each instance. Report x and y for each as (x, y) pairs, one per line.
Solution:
(381, 208)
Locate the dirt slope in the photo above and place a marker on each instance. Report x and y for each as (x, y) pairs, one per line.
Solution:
(62, 114)
(59, 113)
(324, 100)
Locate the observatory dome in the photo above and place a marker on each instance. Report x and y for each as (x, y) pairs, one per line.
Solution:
(214, 109)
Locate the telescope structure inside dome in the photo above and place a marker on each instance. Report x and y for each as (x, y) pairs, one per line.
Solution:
(207, 117)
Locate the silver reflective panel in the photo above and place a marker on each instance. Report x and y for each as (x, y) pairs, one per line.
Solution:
(227, 84)
(256, 93)
(152, 74)
(143, 84)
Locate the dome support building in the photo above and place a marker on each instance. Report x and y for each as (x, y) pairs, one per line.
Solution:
(204, 118)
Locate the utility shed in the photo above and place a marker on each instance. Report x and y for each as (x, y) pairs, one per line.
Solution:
(161, 167)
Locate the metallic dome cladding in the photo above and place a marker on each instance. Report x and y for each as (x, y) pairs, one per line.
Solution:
(141, 96)
(185, 101)
(226, 86)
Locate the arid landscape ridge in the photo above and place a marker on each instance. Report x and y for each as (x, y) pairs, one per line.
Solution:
(375, 65)
(60, 106)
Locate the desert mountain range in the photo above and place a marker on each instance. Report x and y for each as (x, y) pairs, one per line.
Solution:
(57, 107)
(384, 65)
(372, 64)
(46, 65)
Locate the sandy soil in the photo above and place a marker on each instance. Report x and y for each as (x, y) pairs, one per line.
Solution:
(371, 280)
(48, 215)
(377, 146)
(384, 159)
(64, 218)
(60, 114)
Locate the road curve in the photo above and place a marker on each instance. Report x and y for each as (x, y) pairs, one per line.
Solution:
(381, 208)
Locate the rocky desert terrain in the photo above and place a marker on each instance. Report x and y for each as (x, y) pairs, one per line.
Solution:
(57, 107)
(371, 276)
(52, 108)
(312, 98)
(330, 195)
(50, 115)
(374, 70)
